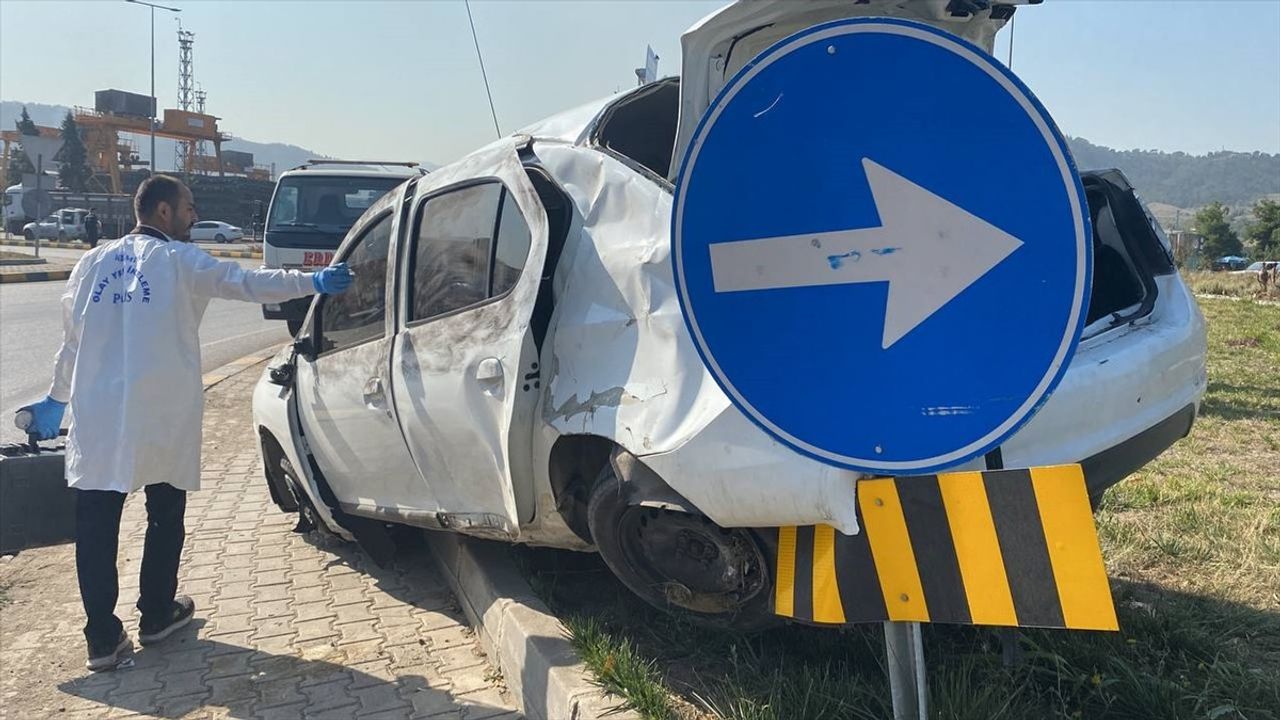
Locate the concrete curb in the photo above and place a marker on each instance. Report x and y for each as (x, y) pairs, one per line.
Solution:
(235, 253)
(17, 262)
(47, 244)
(518, 632)
(235, 367)
(40, 276)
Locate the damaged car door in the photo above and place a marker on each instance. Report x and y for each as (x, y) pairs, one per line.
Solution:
(342, 386)
(464, 363)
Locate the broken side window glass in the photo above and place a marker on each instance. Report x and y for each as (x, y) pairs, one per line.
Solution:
(453, 245)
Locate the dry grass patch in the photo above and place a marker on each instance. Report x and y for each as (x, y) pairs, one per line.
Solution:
(1193, 549)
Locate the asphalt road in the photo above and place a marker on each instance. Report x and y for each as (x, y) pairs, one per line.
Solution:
(31, 332)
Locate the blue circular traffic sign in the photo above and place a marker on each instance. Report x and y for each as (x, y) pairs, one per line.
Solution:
(881, 246)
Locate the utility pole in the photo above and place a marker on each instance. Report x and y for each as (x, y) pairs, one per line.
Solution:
(200, 95)
(153, 72)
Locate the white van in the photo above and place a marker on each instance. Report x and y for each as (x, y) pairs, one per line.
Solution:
(312, 208)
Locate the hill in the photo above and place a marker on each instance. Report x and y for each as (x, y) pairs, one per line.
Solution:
(1187, 181)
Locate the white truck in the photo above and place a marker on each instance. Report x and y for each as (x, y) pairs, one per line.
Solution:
(114, 211)
(312, 208)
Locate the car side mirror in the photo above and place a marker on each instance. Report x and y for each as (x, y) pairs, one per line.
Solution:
(305, 347)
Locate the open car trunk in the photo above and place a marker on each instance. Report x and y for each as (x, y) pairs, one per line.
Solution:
(719, 45)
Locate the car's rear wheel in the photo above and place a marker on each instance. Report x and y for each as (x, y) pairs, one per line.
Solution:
(30, 236)
(219, 238)
(681, 562)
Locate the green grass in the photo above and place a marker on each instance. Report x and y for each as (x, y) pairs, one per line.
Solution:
(1192, 544)
(1203, 282)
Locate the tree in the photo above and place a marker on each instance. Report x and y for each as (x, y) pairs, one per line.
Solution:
(1219, 238)
(26, 125)
(18, 164)
(1263, 233)
(73, 169)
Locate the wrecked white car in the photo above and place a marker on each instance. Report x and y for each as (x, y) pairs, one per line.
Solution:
(512, 362)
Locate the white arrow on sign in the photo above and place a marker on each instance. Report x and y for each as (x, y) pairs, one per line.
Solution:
(928, 250)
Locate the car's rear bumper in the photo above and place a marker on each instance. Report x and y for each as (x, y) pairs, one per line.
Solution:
(1129, 393)
(1122, 385)
(1114, 464)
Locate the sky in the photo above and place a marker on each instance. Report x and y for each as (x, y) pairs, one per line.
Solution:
(400, 80)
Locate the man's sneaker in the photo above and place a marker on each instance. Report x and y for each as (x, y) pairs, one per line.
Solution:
(153, 631)
(108, 656)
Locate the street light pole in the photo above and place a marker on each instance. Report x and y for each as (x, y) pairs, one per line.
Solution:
(152, 166)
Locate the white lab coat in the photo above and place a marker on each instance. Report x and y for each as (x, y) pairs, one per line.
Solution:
(130, 357)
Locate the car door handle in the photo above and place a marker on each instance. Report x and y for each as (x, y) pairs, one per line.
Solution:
(374, 397)
(489, 371)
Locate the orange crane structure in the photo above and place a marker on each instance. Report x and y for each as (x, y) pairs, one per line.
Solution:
(108, 154)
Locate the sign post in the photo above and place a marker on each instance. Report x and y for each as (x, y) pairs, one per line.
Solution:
(904, 661)
(39, 200)
(881, 199)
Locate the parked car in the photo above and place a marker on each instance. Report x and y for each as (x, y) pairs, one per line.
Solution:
(512, 362)
(1256, 268)
(1230, 262)
(65, 224)
(215, 231)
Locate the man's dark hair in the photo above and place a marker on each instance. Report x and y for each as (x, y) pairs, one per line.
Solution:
(155, 190)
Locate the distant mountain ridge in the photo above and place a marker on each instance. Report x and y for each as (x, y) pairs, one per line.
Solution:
(1182, 180)
(1171, 178)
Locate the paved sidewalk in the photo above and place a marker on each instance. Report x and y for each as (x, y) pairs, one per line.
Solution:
(287, 625)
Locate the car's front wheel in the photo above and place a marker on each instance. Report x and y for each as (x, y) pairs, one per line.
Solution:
(681, 562)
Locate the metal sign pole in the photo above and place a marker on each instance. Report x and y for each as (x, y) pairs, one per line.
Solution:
(904, 656)
(39, 204)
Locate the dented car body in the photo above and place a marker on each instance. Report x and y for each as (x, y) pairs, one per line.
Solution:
(512, 361)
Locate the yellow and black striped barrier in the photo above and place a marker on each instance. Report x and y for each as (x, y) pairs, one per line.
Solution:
(34, 276)
(1013, 548)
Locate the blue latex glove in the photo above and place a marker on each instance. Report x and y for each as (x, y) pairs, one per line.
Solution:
(333, 279)
(46, 418)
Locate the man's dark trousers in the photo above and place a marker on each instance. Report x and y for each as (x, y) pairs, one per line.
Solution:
(97, 540)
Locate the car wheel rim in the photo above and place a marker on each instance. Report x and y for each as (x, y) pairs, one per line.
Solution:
(689, 561)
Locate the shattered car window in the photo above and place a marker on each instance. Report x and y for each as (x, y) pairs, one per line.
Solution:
(453, 244)
(357, 315)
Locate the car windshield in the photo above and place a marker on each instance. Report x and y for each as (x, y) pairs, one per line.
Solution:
(325, 204)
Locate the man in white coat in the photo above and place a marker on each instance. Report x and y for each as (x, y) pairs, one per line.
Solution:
(130, 368)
